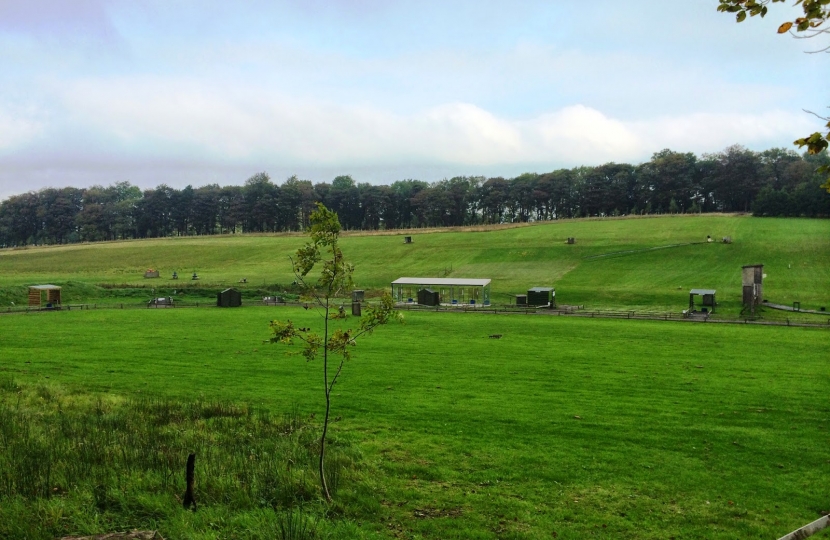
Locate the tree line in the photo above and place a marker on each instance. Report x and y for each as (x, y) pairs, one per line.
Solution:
(775, 182)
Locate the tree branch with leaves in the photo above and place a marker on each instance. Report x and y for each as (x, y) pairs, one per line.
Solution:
(812, 24)
(335, 343)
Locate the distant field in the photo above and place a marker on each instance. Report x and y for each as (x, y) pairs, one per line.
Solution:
(613, 263)
(614, 429)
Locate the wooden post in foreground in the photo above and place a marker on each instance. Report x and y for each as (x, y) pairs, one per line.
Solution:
(189, 501)
(808, 530)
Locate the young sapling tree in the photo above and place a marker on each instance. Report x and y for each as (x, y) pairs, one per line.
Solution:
(335, 341)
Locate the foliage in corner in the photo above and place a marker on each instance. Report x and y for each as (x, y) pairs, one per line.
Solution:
(335, 342)
(816, 13)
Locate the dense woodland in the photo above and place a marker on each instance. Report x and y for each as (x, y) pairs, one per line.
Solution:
(775, 182)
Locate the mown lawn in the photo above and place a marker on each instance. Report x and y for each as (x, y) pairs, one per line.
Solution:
(606, 428)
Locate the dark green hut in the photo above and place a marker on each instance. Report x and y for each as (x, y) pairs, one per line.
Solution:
(229, 298)
(540, 296)
(428, 297)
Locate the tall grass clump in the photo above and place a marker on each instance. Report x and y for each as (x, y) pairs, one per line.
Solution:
(87, 464)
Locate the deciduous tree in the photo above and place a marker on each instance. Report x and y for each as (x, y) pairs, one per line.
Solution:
(812, 24)
(336, 340)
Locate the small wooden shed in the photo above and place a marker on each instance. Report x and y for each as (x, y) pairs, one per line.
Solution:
(707, 298)
(53, 295)
(229, 298)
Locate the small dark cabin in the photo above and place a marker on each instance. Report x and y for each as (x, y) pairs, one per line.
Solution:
(428, 297)
(540, 296)
(229, 298)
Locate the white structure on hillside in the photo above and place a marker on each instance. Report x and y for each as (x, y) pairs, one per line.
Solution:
(450, 290)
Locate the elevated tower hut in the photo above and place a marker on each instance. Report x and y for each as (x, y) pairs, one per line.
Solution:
(53, 295)
(753, 286)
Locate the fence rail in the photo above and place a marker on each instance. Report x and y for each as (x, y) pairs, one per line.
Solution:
(506, 309)
(580, 311)
(134, 305)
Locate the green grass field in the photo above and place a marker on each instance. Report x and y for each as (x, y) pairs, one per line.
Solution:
(613, 265)
(563, 428)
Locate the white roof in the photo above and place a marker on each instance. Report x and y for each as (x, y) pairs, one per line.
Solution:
(460, 282)
(45, 287)
(702, 291)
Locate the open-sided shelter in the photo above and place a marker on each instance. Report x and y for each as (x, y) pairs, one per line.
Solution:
(229, 298)
(450, 290)
(707, 298)
(53, 295)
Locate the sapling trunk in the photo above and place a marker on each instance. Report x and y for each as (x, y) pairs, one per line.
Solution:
(323, 482)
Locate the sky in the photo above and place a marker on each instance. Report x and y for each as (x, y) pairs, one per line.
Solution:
(201, 91)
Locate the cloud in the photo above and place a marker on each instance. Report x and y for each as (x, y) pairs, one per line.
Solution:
(189, 130)
(18, 129)
(185, 120)
(706, 132)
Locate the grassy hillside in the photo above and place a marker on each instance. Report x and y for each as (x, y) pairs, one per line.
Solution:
(614, 263)
(615, 429)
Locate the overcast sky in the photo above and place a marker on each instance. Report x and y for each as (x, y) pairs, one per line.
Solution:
(199, 92)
